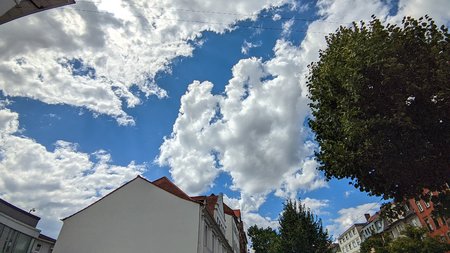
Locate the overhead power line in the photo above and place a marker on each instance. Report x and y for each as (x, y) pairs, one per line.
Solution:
(261, 27)
(226, 13)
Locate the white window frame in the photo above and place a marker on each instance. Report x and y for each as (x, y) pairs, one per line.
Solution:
(419, 206)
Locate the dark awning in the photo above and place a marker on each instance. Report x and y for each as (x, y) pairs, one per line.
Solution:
(12, 9)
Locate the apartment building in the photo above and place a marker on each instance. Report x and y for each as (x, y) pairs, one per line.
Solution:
(351, 239)
(18, 232)
(157, 216)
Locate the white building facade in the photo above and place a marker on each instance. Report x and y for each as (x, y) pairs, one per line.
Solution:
(144, 216)
(18, 232)
(375, 225)
(351, 239)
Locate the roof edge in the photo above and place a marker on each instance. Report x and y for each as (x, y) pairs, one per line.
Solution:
(138, 176)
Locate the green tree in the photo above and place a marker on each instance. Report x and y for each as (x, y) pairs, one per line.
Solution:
(376, 242)
(415, 240)
(380, 103)
(301, 231)
(264, 240)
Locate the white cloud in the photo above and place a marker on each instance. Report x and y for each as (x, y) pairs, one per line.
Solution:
(256, 126)
(287, 27)
(349, 216)
(249, 206)
(92, 54)
(439, 10)
(249, 45)
(262, 222)
(56, 183)
(316, 205)
(252, 130)
(276, 17)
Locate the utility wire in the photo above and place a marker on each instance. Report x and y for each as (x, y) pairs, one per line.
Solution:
(226, 13)
(363, 213)
(202, 22)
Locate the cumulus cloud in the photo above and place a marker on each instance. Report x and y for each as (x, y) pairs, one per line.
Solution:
(439, 10)
(349, 216)
(104, 55)
(55, 182)
(252, 132)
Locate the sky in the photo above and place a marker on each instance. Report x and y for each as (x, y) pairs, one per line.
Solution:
(211, 94)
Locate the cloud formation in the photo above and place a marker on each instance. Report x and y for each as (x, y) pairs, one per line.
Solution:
(55, 182)
(254, 131)
(349, 216)
(104, 55)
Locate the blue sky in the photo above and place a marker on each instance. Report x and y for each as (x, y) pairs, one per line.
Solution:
(212, 96)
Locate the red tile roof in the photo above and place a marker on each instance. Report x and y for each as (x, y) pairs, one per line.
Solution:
(237, 213)
(165, 184)
(373, 217)
(228, 210)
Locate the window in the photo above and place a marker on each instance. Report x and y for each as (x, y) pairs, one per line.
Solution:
(427, 204)
(205, 235)
(419, 206)
(406, 207)
(213, 241)
(436, 222)
(378, 224)
(22, 243)
(430, 227)
(37, 248)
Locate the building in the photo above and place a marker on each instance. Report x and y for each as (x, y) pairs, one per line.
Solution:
(351, 239)
(144, 216)
(375, 225)
(417, 213)
(18, 232)
(395, 226)
(13, 9)
(334, 248)
(437, 226)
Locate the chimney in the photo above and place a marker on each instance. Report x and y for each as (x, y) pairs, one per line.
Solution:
(367, 216)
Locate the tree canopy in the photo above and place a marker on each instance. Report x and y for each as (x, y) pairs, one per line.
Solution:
(414, 240)
(381, 106)
(264, 240)
(299, 231)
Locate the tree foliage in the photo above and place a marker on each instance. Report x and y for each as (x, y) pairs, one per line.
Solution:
(377, 242)
(264, 240)
(413, 240)
(381, 101)
(299, 231)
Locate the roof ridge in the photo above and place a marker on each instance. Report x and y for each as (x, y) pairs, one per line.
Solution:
(19, 209)
(98, 200)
